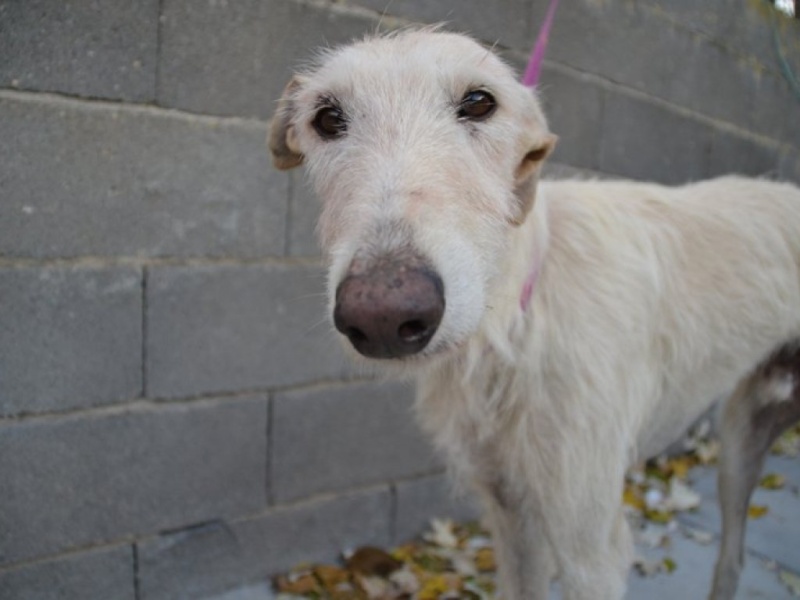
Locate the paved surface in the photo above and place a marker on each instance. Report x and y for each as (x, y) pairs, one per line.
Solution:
(773, 544)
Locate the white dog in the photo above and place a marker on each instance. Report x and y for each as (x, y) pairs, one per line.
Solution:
(555, 341)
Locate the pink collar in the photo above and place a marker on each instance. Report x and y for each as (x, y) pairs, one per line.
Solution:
(529, 286)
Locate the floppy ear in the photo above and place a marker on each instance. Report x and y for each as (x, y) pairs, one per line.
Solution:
(282, 139)
(526, 176)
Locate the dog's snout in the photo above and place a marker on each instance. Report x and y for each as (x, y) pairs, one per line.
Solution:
(389, 311)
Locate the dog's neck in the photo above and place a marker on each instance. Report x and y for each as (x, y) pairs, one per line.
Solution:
(529, 249)
(521, 277)
(531, 280)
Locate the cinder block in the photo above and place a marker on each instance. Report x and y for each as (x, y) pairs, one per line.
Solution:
(642, 140)
(341, 437)
(76, 481)
(634, 46)
(710, 17)
(234, 58)
(505, 22)
(227, 328)
(714, 82)
(574, 108)
(203, 561)
(602, 37)
(80, 48)
(774, 111)
(420, 500)
(105, 574)
(731, 153)
(99, 179)
(746, 33)
(69, 337)
(736, 75)
(790, 166)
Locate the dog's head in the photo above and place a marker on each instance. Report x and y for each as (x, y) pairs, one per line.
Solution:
(425, 151)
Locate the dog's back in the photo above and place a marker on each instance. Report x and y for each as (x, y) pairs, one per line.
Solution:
(701, 282)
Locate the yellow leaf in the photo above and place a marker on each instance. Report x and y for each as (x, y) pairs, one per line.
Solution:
(405, 553)
(434, 587)
(680, 466)
(633, 498)
(301, 585)
(484, 560)
(772, 481)
(330, 576)
(756, 511)
(371, 560)
(669, 564)
(658, 516)
(791, 581)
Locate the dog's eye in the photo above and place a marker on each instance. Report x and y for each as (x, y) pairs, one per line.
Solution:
(476, 105)
(330, 122)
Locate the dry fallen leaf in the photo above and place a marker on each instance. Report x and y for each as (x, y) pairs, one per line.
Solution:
(632, 497)
(658, 516)
(484, 560)
(647, 568)
(370, 561)
(330, 576)
(298, 584)
(375, 588)
(701, 537)
(756, 511)
(405, 580)
(707, 452)
(653, 536)
(442, 534)
(772, 481)
(791, 581)
(788, 444)
(438, 586)
(681, 497)
(669, 564)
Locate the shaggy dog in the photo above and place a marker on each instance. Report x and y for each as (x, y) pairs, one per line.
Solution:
(559, 332)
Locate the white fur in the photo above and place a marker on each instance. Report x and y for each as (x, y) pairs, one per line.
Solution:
(651, 302)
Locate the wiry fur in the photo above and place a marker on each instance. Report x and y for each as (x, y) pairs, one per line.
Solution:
(650, 302)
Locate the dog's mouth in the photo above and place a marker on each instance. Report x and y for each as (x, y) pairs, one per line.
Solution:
(390, 310)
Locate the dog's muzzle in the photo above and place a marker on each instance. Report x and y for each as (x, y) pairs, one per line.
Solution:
(389, 310)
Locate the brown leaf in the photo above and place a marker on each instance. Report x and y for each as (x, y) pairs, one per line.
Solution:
(330, 576)
(298, 585)
(772, 481)
(484, 560)
(371, 561)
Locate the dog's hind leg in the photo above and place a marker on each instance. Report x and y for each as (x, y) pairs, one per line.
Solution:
(763, 405)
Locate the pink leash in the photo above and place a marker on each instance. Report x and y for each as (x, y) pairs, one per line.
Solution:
(534, 68)
(530, 79)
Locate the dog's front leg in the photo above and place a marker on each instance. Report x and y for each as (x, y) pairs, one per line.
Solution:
(593, 565)
(579, 500)
(525, 563)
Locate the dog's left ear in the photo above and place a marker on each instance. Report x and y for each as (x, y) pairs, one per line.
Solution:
(526, 176)
(282, 138)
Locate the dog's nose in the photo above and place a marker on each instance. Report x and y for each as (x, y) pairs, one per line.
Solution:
(389, 311)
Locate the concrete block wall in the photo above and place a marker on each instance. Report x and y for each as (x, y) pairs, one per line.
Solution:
(176, 419)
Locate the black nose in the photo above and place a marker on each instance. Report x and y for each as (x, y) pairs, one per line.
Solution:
(389, 311)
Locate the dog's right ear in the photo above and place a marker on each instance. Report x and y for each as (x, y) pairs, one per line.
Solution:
(282, 138)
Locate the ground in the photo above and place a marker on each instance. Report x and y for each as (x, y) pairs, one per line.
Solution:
(673, 508)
